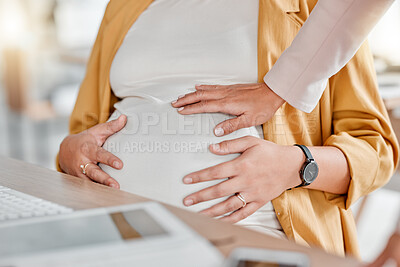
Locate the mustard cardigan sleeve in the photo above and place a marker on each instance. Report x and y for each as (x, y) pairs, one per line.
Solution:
(361, 128)
(90, 104)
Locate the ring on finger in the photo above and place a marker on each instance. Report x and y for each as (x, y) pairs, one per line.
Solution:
(83, 167)
(240, 196)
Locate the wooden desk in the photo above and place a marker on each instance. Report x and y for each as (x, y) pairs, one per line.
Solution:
(81, 194)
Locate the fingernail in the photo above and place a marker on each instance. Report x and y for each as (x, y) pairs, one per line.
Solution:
(188, 202)
(215, 146)
(179, 97)
(116, 164)
(198, 85)
(187, 180)
(219, 131)
(114, 185)
(180, 109)
(174, 102)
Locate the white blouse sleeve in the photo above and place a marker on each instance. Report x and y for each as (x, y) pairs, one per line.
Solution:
(328, 39)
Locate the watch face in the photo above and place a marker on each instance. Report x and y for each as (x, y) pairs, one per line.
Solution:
(310, 172)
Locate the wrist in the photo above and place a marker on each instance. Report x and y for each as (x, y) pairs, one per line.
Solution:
(295, 158)
(277, 100)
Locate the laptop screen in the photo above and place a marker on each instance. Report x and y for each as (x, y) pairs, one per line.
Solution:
(78, 231)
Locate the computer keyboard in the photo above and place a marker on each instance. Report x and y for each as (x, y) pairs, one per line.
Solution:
(15, 205)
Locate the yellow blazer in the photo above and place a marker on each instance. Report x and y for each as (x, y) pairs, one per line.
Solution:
(350, 116)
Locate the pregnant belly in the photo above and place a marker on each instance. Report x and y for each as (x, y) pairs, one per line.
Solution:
(159, 147)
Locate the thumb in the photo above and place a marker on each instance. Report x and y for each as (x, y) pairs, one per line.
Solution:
(105, 130)
(391, 251)
(231, 125)
(383, 257)
(233, 146)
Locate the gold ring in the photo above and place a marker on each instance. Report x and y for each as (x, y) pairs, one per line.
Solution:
(239, 196)
(83, 167)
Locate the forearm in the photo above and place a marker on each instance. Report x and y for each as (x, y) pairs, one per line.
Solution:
(327, 41)
(333, 176)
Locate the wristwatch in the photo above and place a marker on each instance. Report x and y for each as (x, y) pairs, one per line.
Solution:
(309, 170)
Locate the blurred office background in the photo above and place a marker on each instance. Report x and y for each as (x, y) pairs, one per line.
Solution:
(44, 46)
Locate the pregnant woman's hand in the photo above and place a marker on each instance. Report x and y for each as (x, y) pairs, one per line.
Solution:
(252, 104)
(261, 173)
(86, 147)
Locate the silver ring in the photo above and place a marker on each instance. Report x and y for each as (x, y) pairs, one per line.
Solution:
(83, 167)
(239, 196)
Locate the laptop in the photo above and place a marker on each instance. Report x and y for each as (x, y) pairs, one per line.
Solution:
(142, 234)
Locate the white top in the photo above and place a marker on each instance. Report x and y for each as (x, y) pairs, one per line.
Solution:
(178, 44)
(327, 41)
(172, 46)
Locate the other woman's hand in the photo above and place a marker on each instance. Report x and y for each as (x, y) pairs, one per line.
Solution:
(261, 173)
(392, 251)
(86, 147)
(253, 104)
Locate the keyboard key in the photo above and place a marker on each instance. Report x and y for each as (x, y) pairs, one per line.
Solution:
(12, 216)
(16, 205)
